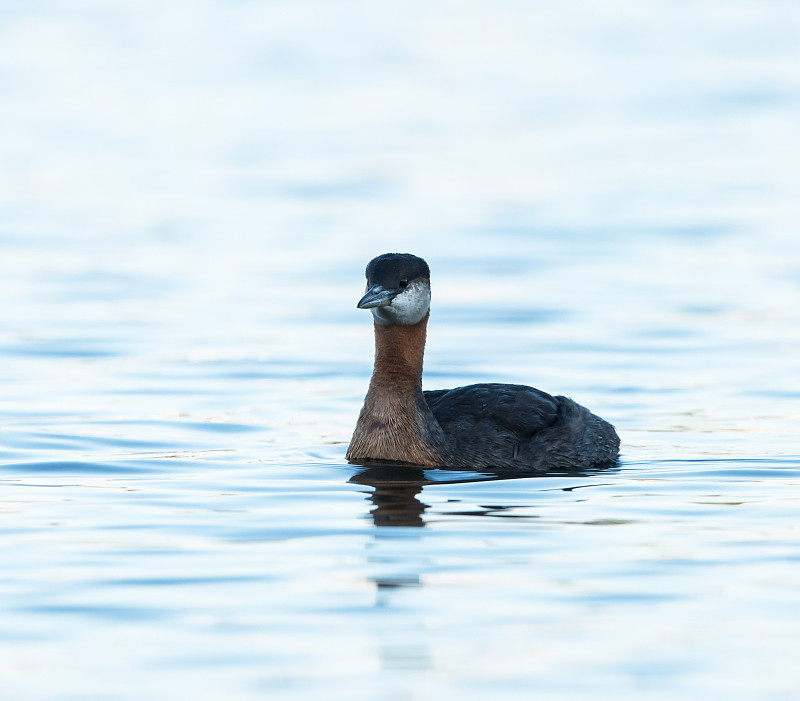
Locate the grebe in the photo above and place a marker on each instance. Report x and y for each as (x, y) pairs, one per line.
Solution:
(495, 426)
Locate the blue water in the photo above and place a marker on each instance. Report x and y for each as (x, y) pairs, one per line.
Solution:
(608, 200)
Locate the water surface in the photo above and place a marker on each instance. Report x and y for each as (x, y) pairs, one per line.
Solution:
(188, 196)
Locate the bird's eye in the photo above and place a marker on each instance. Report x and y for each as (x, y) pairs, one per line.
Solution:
(404, 282)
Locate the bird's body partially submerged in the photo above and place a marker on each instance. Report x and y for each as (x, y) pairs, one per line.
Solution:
(484, 426)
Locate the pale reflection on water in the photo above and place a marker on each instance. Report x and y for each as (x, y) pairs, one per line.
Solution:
(608, 201)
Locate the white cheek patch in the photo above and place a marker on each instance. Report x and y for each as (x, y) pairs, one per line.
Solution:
(409, 307)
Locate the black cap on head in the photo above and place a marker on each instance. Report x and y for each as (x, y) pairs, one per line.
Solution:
(388, 269)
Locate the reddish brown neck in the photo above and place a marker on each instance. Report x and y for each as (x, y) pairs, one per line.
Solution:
(395, 423)
(399, 350)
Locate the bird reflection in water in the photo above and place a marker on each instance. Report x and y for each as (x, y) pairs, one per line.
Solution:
(396, 488)
(394, 495)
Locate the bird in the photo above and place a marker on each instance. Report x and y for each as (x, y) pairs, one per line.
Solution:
(487, 426)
